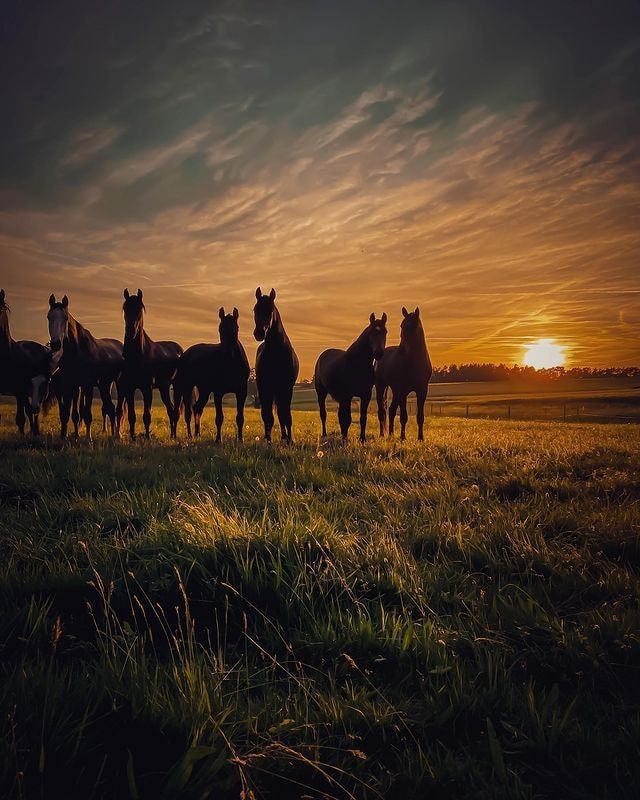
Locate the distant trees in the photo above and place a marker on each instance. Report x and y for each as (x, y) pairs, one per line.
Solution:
(501, 372)
(456, 373)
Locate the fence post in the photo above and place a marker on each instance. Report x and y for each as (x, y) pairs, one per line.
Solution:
(431, 409)
(564, 412)
(467, 411)
(509, 411)
(578, 413)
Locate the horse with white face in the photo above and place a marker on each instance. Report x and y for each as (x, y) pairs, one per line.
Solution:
(86, 362)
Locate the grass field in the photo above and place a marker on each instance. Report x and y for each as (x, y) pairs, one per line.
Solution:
(458, 619)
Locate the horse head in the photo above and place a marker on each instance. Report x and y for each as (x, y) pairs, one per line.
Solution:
(58, 319)
(377, 335)
(133, 309)
(411, 327)
(228, 328)
(264, 313)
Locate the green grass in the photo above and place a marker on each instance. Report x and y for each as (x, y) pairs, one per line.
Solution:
(458, 619)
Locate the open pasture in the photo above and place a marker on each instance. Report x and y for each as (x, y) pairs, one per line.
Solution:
(458, 619)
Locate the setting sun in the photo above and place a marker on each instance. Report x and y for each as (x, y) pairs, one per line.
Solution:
(544, 354)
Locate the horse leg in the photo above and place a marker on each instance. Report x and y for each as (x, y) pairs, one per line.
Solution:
(241, 399)
(403, 418)
(75, 414)
(86, 401)
(344, 417)
(283, 404)
(168, 404)
(217, 398)
(65, 401)
(321, 393)
(178, 405)
(20, 415)
(108, 408)
(119, 408)
(198, 409)
(420, 401)
(131, 412)
(364, 407)
(187, 400)
(147, 398)
(266, 412)
(393, 407)
(381, 399)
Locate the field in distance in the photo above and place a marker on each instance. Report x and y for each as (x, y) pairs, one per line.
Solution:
(458, 619)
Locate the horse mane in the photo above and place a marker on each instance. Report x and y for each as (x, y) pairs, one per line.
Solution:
(356, 345)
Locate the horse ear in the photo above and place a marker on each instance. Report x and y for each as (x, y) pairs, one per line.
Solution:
(65, 301)
(272, 294)
(405, 313)
(235, 313)
(417, 312)
(126, 294)
(221, 312)
(372, 318)
(258, 293)
(384, 319)
(52, 300)
(140, 293)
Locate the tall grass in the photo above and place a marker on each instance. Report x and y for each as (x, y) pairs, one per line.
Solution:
(454, 619)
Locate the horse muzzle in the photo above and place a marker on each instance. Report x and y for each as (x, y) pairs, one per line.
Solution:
(56, 345)
(377, 354)
(258, 334)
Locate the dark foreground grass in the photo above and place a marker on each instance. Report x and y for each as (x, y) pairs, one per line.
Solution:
(453, 620)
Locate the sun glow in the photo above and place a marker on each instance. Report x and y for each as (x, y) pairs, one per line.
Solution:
(543, 354)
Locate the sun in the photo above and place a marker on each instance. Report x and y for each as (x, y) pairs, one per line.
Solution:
(543, 354)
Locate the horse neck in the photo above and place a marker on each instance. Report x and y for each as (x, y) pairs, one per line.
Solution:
(276, 332)
(78, 338)
(417, 345)
(361, 348)
(138, 342)
(5, 334)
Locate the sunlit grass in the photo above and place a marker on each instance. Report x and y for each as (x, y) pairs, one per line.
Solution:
(458, 618)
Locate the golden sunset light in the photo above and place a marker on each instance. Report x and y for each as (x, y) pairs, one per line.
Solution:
(544, 354)
(320, 399)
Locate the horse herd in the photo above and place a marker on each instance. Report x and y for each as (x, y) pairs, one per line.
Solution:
(75, 363)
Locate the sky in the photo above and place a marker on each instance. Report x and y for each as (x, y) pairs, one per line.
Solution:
(480, 160)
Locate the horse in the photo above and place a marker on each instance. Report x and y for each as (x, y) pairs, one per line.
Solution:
(213, 368)
(277, 365)
(26, 368)
(405, 368)
(86, 362)
(345, 374)
(147, 365)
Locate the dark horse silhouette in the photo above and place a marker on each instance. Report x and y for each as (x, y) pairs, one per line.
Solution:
(405, 369)
(25, 372)
(86, 362)
(213, 368)
(147, 365)
(276, 365)
(345, 374)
